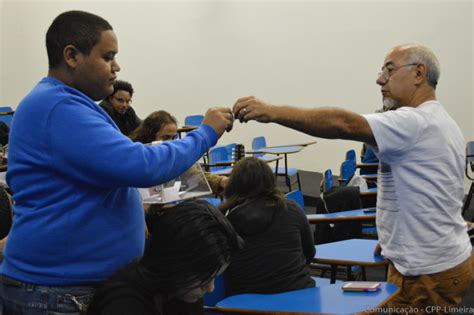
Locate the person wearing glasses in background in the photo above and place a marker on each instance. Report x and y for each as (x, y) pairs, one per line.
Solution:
(421, 151)
(117, 105)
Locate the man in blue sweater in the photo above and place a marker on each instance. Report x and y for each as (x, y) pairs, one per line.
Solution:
(77, 217)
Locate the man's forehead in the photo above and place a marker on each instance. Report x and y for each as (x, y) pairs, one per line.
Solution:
(108, 41)
(395, 56)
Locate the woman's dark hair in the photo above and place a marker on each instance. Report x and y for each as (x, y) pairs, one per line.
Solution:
(145, 133)
(120, 85)
(251, 178)
(190, 243)
(78, 28)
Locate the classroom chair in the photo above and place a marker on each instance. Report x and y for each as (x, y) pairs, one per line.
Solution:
(296, 196)
(6, 114)
(193, 120)
(260, 142)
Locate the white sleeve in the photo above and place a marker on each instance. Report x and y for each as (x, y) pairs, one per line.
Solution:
(395, 131)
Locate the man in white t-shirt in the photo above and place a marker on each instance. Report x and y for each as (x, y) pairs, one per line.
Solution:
(421, 152)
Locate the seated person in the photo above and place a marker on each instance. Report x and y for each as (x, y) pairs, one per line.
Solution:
(278, 239)
(191, 245)
(162, 126)
(117, 105)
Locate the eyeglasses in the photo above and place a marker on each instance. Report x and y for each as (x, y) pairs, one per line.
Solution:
(388, 71)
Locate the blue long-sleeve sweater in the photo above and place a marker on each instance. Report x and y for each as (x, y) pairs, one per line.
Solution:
(77, 217)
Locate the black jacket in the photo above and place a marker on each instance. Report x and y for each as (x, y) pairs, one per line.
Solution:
(126, 122)
(278, 246)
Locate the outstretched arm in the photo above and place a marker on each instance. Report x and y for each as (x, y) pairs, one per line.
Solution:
(324, 122)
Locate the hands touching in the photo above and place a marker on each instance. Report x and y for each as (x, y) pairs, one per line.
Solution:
(246, 108)
(251, 108)
(220, 119)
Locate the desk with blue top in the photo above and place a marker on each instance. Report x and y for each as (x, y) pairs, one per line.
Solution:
(367, 214)
(353, 252)
(324, 299)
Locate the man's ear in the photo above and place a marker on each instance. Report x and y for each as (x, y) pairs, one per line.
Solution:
(421, 73)
(71, 56)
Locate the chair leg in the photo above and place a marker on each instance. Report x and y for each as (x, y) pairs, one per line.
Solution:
(468, 199)
(288, 182)
(349, 273)
(299, 182)
(333, 273)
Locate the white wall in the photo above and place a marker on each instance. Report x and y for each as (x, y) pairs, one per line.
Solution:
(186, 56)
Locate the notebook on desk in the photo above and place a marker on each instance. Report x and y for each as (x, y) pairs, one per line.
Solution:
(190, 184)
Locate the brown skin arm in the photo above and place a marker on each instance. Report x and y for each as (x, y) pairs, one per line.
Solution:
(324, 122)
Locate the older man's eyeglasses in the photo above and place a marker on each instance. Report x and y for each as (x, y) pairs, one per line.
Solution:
(389, 70)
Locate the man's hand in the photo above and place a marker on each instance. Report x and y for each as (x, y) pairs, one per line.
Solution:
(251, 108)
(220, 119)
(378, 250)
(223, 183)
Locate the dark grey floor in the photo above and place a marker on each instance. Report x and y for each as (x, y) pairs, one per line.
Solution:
(310, 182)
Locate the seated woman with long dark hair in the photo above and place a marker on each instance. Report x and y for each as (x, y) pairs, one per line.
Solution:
(162, 126)
(192, 243)
(278, 239)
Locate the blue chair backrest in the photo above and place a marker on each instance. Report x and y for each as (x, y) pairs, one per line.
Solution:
(193, 120)
(218, 154)
(348, 168)
(6, 118)
(297, 196)
(257, 143)
(351, 155)
(327, 180)
(211, 298)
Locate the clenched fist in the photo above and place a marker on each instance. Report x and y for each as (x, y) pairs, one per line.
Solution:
(220, 119)
(251, 108)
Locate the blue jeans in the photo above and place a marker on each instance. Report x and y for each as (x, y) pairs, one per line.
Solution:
(21, 298)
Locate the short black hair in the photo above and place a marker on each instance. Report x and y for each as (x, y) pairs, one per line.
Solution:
(124, 86)
(78, 28)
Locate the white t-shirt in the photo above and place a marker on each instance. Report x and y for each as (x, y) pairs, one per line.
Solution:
(420, 188)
